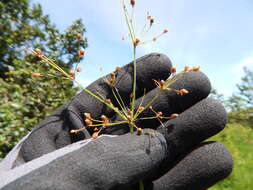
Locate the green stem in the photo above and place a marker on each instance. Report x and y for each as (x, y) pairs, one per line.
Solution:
(100, 99)
(130, 29)
(131, 129)
(141, 185)
(134, 82)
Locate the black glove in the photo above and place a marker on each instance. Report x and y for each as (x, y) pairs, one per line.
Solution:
(167, 156)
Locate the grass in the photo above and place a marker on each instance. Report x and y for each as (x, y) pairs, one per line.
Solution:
(238, 138)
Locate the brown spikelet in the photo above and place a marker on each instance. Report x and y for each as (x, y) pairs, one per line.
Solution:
(159, 114)
(187, 69)
(108, 101)
(165, 31)
(105, 120)
(174, 115)
(136, 42)
(78, 69)
(73, 131)
(173, 70)
(183, 92)
(87, 116)
(38, 52)
(140, 109)
(132, 2)
(160, 84)
(118, 68)
(95, 135)
(151, 21)
(88, 122)
(72, 75)
(36, 75)
(139, 131)
(113, 76)
(79, 37)
(81, 53)
(195, 68)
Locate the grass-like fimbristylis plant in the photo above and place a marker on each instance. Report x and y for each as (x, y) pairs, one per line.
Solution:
(129, 115)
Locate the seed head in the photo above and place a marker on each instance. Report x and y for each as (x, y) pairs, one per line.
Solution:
(113, 76)
(173, 70)
(109, 101)
(196, 68)
(174, 115)
(139, 131)
(87, 116)
(88, 122)
(81, 53)
(154, 39)
(160, 84)
(78, 69)
(132, 2)
(73, 131)
(38, 52)
(136, 42)
(159, 114)
(118, 68)
(183, 92)
(130, 112)
(105, 120)
(151, 21)
(72, 75)
(140, 109)
(165, 31)
(187, 69)
(95, 135)
(36, 75)
(79, 37)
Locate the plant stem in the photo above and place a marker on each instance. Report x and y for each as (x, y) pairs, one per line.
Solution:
(141, 185)
(134, 82)
(131, 129)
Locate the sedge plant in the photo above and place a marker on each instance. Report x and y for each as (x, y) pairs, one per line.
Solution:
(128, 114)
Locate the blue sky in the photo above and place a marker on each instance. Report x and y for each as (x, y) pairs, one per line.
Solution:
(214, 34)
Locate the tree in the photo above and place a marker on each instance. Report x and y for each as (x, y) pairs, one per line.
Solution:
(240, 103)
(216, 95)
(25, 100)
(243, 99)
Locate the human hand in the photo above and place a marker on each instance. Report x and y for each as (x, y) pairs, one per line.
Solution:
(171, 156)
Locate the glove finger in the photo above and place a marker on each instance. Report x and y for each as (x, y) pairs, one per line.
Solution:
(54, 130)
(170, 102)
(201, 121)
(152, 66)
(204, 166)
(104, 163)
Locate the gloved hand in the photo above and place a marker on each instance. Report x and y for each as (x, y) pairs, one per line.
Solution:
(171, 155)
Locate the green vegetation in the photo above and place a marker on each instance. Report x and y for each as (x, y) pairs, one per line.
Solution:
(238, 135)
(238, 138)
(26, 100)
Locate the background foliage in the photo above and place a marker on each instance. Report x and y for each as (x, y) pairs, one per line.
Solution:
(26, 100)
(238, 134)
